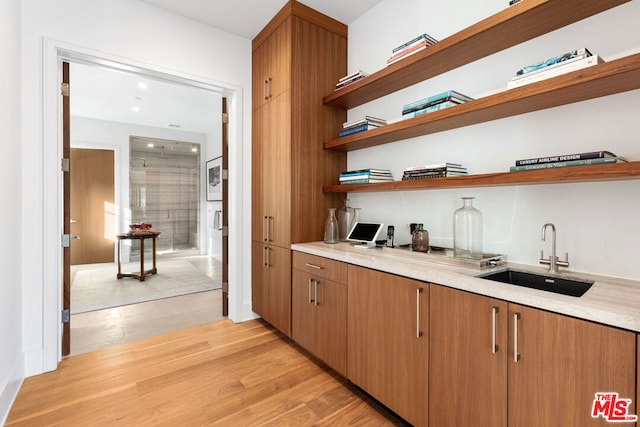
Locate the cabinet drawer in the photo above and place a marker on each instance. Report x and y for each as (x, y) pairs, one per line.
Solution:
(322, 267)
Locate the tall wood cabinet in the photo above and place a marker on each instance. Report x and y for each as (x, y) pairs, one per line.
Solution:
(297, 58)
(388, 340)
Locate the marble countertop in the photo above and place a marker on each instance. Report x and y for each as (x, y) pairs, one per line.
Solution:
(610, 301)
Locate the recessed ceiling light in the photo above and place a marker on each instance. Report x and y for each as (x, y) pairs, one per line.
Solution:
(150, 145)
(142, 85)
(134, 108)
(194, 149)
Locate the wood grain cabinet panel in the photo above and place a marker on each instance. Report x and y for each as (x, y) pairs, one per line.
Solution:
(319, 314)
(562, 363)
(388, 337)
(467, 359)
(297, 58)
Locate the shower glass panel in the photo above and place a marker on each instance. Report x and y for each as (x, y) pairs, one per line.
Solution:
(164, 184)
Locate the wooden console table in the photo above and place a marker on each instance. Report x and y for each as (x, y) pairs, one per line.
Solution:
(142, 237)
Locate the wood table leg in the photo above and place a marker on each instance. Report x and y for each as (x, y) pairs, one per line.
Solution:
(119, 268)
(142, 260)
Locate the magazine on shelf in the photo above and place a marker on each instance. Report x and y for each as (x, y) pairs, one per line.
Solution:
(432, 174)
(365, 119)
(367, 171)
(450, 95)
(357, 129)
(408, 50)
(569, 163)
(583, 52)
(364, 175)
(568, 157)
(435, 166)
(365, 181)
(415, 40)
(401, 57)
(430, 109)
(358, 73)
(580, 64)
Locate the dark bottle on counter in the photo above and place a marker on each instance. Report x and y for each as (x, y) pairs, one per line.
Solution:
(420, 239)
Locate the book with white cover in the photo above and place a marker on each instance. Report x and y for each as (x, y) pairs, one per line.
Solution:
(589, 61)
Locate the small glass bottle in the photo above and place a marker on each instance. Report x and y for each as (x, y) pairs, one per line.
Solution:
(420, 239)
(331, 227)
(467, 231)
(346, 216)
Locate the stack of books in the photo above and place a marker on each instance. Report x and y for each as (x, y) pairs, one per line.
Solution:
(552, 67)
(437, 170)
(351, 78)
(366, 176)
(361, 125)
(566, 160)
(434, 103)
(415, 45)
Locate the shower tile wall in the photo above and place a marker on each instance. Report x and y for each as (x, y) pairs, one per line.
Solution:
(164, 192)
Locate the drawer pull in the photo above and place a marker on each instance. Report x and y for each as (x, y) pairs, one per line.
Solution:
(310, 299)
(516, 354)
(418, 331)
(494, 346)
(315, 298)
(313, 266)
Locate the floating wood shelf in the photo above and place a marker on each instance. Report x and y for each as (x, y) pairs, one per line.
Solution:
(509, 27)
(599, 80)
(604, 172)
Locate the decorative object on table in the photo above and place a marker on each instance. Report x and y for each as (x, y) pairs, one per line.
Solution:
(467, 231)
(420, 239)
(331, 228)
(214, 179)
(346, 220)
(411, 47)
(141, 228)
(390, 234)
(366, 176)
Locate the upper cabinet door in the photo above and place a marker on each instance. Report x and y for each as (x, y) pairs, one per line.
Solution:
(272, 66)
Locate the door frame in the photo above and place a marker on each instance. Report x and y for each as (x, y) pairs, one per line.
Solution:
(54, 53)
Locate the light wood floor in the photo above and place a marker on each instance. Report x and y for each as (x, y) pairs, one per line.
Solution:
(220, 373)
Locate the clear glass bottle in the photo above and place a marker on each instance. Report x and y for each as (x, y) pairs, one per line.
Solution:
(331, 227)
(346, 217)
(420, 239)
(467, 231)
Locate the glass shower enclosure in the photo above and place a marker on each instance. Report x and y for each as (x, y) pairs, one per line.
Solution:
(164, 184)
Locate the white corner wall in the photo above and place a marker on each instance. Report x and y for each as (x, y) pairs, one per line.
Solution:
(597, 223)
(11, 358)
(131, 32)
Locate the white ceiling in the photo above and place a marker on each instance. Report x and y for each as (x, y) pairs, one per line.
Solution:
(247, 17)
(107, 94)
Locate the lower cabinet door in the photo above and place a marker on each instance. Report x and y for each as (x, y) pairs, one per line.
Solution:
(388, 340)
(271, 285)
(330, 308)
(468, 359)
(557, 364)
(302, 310)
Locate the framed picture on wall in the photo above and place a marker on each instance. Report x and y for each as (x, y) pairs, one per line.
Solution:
(214, 179)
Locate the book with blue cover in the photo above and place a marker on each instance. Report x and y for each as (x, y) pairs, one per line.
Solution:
(450, 95)
(578, 53)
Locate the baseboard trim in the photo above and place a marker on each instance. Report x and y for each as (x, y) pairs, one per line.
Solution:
(11, 389)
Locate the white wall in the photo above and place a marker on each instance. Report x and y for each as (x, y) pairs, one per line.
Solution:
(130, 32)
(11, 358)
(597, 223)
(102, 134)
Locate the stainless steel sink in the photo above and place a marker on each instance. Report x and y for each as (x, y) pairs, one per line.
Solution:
(559, 285)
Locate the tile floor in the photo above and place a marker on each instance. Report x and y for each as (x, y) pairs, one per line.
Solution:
(103, 328)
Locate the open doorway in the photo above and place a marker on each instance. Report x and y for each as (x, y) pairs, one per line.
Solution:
(94, 127)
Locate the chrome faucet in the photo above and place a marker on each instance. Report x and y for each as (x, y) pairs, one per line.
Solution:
(553, 260)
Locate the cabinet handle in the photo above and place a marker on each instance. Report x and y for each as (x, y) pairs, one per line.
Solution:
(418, 331)
(265, 229)
(516, 355)
(315, 298)
(494, 346)
(310, 299)
(267, 88)
(313, 266)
